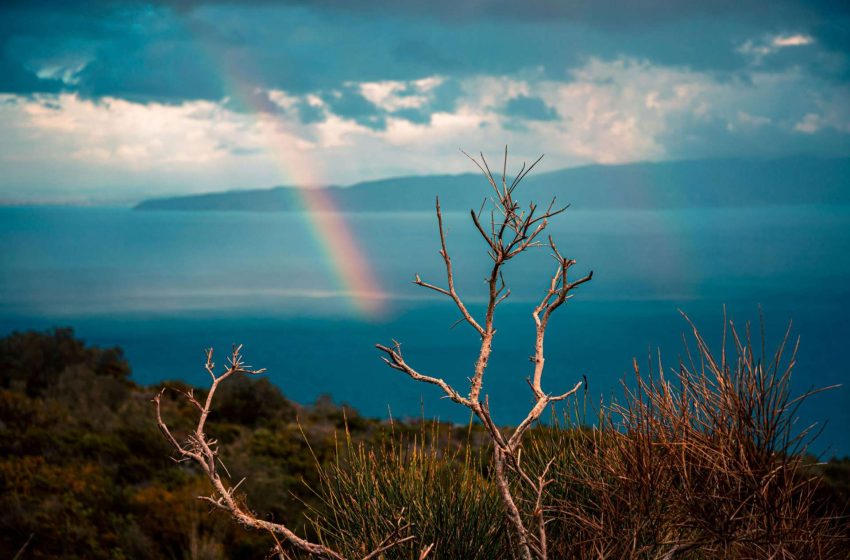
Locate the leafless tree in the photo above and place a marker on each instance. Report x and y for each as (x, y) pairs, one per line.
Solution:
(511, 231)
(204, 452)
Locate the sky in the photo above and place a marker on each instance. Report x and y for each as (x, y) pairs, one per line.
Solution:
(114, 101)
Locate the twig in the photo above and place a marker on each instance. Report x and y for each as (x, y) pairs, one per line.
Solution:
(203, 451)
(512, 231)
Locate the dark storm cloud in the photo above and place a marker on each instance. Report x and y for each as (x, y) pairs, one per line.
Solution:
(160, 72)
(126, 49)
(14, 78)
(175, 51)
(604, 13)
(713, 138)
(427, 57)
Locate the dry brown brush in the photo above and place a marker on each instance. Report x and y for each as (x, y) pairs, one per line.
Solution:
(703, 462)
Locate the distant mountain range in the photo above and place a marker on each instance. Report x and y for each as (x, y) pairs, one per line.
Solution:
(678, 184)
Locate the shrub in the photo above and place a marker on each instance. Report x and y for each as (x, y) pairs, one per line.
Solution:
(704, 462)
(434, 487)
(251, 402)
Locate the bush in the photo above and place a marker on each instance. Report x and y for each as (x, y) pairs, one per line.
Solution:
(706, 462)
(35, 361)
(252, 402)
(428, 483)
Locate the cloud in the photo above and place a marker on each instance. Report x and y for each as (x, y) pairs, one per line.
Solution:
(114, 148)
(168, 52)
(797, 40)
(395, 95)
(603, 13)
(609, 111)
(809, 124)
(207, 94)
(350, 104)
(759, 49)
(15, 78)
(752, 120)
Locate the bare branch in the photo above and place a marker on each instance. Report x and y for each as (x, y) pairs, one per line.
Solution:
(396, 361)
(451, 292)
(511, 232)
(204, 452)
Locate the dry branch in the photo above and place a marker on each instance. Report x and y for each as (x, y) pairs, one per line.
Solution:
(511, 231)
(204, 452)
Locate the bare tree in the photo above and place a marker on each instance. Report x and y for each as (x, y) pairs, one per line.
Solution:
(203, 451)
(511, 231)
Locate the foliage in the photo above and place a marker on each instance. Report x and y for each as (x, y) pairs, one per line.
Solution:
(706, 463)
(424, 479)
(252, 402)
(33, 361)
(85, 473)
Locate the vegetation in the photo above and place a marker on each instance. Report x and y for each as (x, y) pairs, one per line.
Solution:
(422, 477)
(700, 462)
(84, 473)
(704, 465)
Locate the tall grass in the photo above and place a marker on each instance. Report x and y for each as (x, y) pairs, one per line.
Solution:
(704, 461)
(424, 484)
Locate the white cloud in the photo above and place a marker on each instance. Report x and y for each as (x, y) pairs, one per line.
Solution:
(758, 49)
(119, 132)
(792, 40)
(752, 120)
(395, 95)
(809, 124)
(281, 98)
(610, 111)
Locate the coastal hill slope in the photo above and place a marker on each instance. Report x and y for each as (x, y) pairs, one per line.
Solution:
(676, 184)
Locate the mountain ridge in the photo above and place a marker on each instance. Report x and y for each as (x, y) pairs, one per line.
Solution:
(643, 185)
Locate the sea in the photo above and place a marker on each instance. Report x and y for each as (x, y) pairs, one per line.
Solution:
(165, 285)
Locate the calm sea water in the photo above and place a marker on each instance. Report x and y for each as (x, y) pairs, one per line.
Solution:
(166, 285)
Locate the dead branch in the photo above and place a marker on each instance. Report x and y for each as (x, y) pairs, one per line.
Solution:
(203, 451)
(511, 231)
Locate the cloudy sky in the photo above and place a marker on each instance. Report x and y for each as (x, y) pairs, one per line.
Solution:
(117, 100)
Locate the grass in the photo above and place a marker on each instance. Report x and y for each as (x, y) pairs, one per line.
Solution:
(703, 461)
(424, 484)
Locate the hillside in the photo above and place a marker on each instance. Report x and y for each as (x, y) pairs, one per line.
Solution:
(86, 474)
(680, 184)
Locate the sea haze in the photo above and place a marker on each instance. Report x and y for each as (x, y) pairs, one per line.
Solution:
(165, 285)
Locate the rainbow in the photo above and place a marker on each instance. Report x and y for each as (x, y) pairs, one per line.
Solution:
(344, 258)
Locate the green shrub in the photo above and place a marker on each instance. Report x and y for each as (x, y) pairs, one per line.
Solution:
(251, 402)
(429, 484)
(34, 360)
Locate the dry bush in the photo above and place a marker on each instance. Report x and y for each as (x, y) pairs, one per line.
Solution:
(704, 462)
